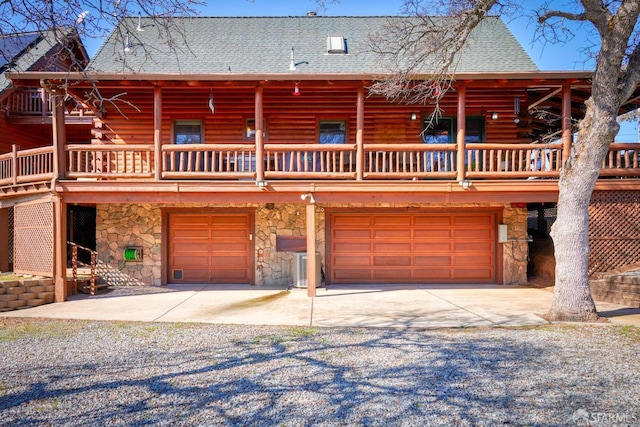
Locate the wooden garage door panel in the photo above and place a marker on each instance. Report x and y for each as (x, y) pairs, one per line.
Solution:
(191, 234)
(472, 247)
(210, 248)
(190, 220)
(433, 220)
(347, 247)
(236, 248)
(384, 247)
(352, 261)
(473, 234)
(190, 247)
(350, 234)
(432, 234)
(402, 248)
(433, 261)
(192, 261)
(352, 275)
(397, 220)
(392, 234)
(473, 221)
(344, 220)
(228, 262)
(379, 261)
(431, 248)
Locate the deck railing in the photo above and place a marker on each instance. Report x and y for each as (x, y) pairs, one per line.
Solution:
(109, 161)
(29, 102)
(299, 161)
(305, 161)
(209, 161)
(495, 161)
(24, 166)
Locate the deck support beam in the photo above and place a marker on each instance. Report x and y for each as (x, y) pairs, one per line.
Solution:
(259, 119)
(59, 249)
(157, 132)
(311, 250)
(59, 137)
(360, 134)
(461, 131)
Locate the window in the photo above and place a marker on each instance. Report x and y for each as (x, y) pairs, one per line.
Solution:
(187, 132)
(332, 132)
(250, 129)
(444, 130)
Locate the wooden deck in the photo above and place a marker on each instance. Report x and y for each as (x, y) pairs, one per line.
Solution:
(233, 168)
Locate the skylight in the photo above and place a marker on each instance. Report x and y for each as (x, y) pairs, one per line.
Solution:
(336, 44)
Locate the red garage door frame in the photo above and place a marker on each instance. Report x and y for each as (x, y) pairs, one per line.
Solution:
(395, 246)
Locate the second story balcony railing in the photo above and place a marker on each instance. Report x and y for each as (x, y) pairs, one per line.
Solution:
(282, 161)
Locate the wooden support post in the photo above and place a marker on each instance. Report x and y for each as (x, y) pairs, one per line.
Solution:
(311, 250)
(157, 132)
(59, 137)
(259, 140)
(360, 135)
(461, 132)
(4, 239)
(60, 248)
(566, 123)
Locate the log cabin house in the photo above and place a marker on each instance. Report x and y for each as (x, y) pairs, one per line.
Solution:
(252, 152)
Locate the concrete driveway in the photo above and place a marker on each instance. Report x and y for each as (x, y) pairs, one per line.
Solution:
(425, 306)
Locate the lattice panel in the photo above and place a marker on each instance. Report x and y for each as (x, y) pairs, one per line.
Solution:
(11, 216)
(614, 230)
(33, 239)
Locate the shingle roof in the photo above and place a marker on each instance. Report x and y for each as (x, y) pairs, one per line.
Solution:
(23, 51)
(262, 45)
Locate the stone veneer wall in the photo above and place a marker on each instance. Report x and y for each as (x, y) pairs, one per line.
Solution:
(515, 252)
(122, 225)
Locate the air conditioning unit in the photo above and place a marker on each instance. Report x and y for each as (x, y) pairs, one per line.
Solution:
(300, 269)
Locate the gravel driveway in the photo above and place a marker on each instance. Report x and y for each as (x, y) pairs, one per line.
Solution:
(70, 373)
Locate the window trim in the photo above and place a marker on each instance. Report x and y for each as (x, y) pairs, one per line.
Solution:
(177, 122)
(334, 121)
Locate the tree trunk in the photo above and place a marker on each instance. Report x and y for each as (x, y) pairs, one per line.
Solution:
(572, 299)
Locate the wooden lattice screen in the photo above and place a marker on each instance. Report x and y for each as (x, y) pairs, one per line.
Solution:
(33, 239)
(614, 230)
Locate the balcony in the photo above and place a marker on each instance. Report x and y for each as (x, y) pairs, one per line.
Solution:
(290, 161)
(26, 106)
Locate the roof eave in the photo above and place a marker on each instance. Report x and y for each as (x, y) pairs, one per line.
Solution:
(96, 76)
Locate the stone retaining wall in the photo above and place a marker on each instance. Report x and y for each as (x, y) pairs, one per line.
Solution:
(123, 225)
(24, 293)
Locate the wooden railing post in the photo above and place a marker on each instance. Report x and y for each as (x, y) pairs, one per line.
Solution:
(59, 137)
(15, 167)
(461, 132)
(157, 132)
(360, 134)
(259, 140)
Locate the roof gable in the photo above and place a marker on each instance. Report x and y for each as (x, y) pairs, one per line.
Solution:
(264, 45)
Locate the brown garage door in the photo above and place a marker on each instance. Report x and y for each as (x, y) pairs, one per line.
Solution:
(413, 248)
(210, 248)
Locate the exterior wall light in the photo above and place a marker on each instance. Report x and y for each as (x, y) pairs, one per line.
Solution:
(465, 184)
(494, 116)
(308, 196)
(414, 116)
(261, 185)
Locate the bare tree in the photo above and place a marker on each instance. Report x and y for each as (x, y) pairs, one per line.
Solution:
(422, 44)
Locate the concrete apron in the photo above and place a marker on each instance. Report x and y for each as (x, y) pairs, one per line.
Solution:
(426, 306)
